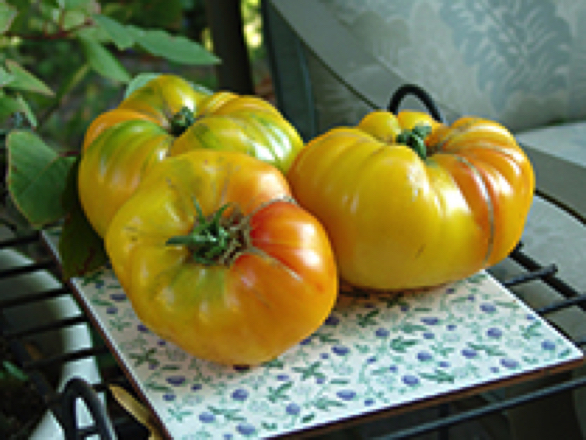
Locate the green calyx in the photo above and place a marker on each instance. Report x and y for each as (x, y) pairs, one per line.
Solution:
(216, 239)
(181, 121)
(415, 139)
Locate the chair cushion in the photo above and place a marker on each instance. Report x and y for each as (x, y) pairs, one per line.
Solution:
(566, 141)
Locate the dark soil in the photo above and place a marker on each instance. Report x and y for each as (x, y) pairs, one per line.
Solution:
(21, 406)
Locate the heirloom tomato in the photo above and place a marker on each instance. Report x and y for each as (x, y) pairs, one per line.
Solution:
(216, 257)
(409, 202)
(166, 117)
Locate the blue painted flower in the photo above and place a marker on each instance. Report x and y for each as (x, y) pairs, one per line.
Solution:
(430, 320)
(428, 335)
(282, 377)
(444, 364)
(371, 360)
(548, 345)
(207, 417)
(240, 394)
(292, 409)
(246, 429)
(196, 387)
(340, 350)
(176, 380)
(169, 397)
(411, 380)
(332, 320)
(142, 328)
(382, 333)
(324, 355)
(451, 327)
(241, 368)
(111, 310)
(393, 369)
(369, 402)
(346, 394)
(424, 356)
(469, 353)
(494, 332)
(305, 341)
(488, 308)
(509, 363)
(117, 296)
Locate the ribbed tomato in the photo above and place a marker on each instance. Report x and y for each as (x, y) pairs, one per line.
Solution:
(216, 257)
(165, 117)
(410, 202)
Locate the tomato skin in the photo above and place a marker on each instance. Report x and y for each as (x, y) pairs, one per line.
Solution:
(122, 144)
(397, 221)
(273, 294)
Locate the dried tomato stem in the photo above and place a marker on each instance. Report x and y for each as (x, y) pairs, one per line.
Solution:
(415, 139)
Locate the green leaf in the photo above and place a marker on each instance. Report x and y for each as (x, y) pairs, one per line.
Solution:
(138, 81)
(103, 62)
(122, 38)
(5, 77)
(36, 178)
(8, 106)
(25, 108)
(173, 48)
(7, 15)
(75, 77)
(24, 80)
(81, 249)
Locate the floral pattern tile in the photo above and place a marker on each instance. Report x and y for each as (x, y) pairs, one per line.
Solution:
(372, 353)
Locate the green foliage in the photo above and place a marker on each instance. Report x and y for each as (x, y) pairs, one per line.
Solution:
(62, 62)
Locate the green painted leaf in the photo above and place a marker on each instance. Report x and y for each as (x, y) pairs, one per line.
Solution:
(122, 38)
(37, 178)
(81, 249)
(173, 48)
(102, 61)
(7, 15)
(24, 80)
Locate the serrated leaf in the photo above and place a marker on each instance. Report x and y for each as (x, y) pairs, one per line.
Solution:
(7, 15)
(138, 81)
(173, 48)
(24, 80)
(122, 38)
(103, 62)
(81, 249)
(37, 177)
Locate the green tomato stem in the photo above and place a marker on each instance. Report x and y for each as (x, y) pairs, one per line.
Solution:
(211, 239)
(415, 139)
(181, 121)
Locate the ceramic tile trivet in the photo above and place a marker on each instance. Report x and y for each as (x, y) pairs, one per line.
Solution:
(373, 353)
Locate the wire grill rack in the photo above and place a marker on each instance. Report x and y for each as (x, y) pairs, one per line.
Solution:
(110, 421)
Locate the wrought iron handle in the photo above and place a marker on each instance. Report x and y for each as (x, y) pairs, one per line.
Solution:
(424, 97)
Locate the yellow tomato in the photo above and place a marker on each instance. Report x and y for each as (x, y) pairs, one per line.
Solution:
(410, 202)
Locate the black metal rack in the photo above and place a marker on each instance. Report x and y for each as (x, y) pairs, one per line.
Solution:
(111, 421)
